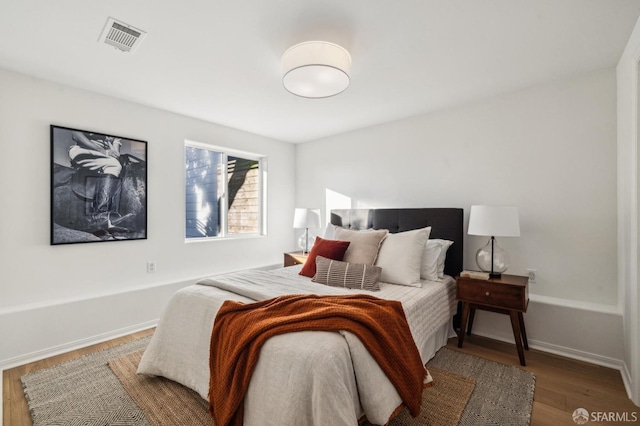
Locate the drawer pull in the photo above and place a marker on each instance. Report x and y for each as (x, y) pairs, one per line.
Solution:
(486, 294)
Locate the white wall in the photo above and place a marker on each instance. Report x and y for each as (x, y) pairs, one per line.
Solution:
(550, 150)
(52, 296)
(628, 187)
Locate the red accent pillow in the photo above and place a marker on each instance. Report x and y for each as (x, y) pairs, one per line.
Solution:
(331, 249)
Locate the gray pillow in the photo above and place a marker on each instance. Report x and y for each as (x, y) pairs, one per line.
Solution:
(348, 275)
(364, 244)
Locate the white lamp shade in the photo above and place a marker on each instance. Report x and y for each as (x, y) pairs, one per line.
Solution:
(494, 221)
(316, 69)
(306, 218)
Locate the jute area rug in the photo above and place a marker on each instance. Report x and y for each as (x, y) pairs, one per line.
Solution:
(103, 389)
(161, 399)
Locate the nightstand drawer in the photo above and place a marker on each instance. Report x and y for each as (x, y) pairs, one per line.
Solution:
(295, 258)
(492, 294)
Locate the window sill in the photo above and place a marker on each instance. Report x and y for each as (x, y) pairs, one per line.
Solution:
(227, 238)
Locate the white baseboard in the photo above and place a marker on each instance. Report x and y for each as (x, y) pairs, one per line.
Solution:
(591, 358)
(571, 353)
(71, 346)
(68, 347)
(587, 333)
(626, 379)
(590, 333)
(36, 333)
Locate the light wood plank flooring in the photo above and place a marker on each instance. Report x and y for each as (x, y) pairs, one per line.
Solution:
(562, 385)
(15, 411)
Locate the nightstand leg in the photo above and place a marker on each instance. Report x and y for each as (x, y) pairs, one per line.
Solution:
(515, 324)
(463, 323)
(523, 331)
(472, 315)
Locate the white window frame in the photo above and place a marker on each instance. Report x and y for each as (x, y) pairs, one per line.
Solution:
(224, 207)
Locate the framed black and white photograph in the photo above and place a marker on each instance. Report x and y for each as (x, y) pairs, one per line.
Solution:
(98, 187)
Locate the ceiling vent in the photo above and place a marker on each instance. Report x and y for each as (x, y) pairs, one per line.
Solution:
(122, 36)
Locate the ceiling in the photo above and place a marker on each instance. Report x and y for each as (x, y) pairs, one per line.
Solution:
(219, 61)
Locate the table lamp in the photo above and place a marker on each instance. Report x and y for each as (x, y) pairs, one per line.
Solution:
(493, 221)
(306, 218)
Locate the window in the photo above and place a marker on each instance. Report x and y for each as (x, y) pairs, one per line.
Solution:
(224, 192)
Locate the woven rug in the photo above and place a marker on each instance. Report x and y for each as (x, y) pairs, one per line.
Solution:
(83, 391)
(162, 401)
(503, 394)
(165, 402)
(86, 391)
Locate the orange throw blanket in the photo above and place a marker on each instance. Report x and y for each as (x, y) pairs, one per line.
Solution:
(240, 330)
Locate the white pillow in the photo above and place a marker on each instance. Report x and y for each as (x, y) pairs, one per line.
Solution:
(435, 253)
(400, 257)
(329, 232)
(444, 246)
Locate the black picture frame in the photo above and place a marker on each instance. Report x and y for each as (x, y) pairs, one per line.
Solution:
(98, 187)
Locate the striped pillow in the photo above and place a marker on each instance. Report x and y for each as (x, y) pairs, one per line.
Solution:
(349, 275)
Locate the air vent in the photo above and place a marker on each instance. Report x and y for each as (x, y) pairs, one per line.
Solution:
(122, 36)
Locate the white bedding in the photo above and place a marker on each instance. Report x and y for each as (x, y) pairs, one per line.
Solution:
(294, 382)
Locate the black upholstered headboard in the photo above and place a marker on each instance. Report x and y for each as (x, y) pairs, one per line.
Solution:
(445, 223)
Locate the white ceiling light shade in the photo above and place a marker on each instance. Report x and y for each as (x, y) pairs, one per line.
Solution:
(316, 69)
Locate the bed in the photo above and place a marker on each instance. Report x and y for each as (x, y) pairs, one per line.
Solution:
(312, 377)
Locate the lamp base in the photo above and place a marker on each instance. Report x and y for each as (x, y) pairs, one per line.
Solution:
(305, 242)
(493, 259)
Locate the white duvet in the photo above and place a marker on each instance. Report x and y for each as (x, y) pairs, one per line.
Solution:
(303, 378)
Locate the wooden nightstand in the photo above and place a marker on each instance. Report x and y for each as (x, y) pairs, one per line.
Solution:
(295, 258)
(505, 295)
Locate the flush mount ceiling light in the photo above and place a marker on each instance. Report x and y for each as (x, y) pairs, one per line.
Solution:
(316, 69)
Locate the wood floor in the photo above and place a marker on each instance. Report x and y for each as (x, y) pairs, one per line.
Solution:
(15, 411)
(562, 385)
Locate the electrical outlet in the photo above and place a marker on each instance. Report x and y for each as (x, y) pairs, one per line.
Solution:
(532, 276)
(151, 267)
